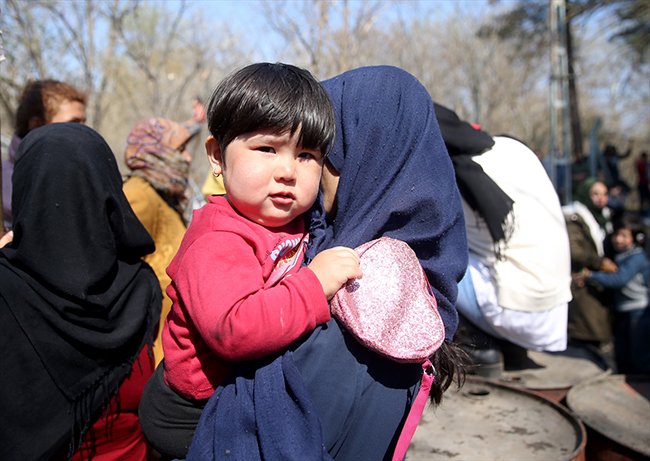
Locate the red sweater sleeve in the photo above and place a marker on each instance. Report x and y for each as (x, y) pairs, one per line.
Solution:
(220, 284)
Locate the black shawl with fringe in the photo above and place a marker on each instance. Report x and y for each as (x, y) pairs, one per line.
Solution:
(77, 304)
(481, 193)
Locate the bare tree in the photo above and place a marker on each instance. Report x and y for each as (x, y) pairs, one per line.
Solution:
(134, 58)
(327, 36)
(77, 23)
(138, 58)
(63, 41)
(526, 22)
(29, 43)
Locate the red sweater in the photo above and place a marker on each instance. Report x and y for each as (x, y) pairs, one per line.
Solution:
(117, 434)
(238, 294)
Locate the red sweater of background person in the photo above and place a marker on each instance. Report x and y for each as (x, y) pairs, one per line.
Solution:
(117, 433)
(238, 294)
(642, 171)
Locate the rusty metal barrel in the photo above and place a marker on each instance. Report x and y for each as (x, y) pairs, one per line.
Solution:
(488, 420)
(616, 411)
(556, 374)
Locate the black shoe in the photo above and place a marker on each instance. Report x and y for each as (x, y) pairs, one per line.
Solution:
(487, 363)
(516, 357)
(484, 357)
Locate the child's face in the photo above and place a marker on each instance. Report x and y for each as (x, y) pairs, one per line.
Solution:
(622, 240)
(268, 177)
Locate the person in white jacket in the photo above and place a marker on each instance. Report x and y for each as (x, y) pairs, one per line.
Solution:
(517, 286)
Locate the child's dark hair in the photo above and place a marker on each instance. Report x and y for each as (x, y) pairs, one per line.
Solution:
(280, 97)
(633, 223)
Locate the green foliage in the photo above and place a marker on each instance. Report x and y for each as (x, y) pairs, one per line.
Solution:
(634, 17)
(526, 24)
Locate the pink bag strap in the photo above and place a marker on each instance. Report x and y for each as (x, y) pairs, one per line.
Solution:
(413, 419)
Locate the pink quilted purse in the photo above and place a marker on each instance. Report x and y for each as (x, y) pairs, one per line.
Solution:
(391, 310)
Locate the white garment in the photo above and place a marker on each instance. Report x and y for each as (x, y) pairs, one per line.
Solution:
(540, 331)
(535, 273)
(597, 233)
(524, 296)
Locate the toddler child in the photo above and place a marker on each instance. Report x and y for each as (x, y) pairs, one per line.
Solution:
(238, 289)
(630, 285)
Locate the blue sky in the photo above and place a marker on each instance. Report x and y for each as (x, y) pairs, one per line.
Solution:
(245, 16)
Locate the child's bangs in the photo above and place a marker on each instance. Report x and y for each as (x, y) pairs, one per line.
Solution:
(279, 97)
(317, 131)
(309, 113)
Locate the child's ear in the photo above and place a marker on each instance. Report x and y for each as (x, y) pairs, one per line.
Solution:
(214, 155)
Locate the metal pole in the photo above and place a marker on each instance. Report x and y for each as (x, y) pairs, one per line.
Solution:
(559, 93)
(594, 151)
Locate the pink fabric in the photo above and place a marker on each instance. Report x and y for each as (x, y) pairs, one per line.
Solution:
(415, 414)
(238, 293)
(391, 309)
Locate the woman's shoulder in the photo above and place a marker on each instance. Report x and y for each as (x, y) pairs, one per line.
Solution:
(136, 186)
(575, 220)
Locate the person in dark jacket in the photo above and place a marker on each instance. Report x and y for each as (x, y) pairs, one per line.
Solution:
(588, 224)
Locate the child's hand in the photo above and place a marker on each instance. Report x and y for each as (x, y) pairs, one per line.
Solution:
(334, 267)
(608, 266)
(581, 277)
(5, 239)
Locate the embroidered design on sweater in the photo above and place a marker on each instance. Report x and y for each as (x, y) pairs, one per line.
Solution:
(287, 255)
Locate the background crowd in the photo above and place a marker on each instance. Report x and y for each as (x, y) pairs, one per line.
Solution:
(83, 268)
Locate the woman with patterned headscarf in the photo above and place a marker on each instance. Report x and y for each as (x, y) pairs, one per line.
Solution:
(155, 153)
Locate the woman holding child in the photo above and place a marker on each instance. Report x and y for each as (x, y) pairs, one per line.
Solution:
(388, 174)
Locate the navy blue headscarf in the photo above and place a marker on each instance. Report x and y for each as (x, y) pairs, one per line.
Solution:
(397, 180)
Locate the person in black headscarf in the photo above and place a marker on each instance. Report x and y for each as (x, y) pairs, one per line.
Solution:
(77, 303)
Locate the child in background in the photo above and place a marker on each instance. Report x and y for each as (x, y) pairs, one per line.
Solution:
(238, 289)
(630, 285)
(193, 125)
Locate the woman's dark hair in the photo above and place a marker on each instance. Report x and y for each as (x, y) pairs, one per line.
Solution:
(633, 223)
(280, 97)
(41, 99)
(449, 363)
